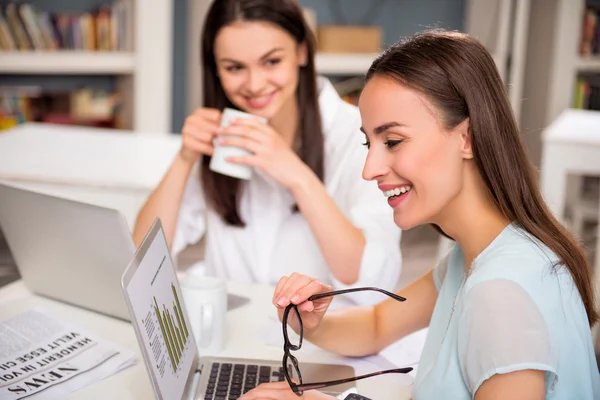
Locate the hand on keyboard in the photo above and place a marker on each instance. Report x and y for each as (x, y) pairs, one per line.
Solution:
(282, 391)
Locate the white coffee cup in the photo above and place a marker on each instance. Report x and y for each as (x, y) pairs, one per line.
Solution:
(205, 300)
(218, 162)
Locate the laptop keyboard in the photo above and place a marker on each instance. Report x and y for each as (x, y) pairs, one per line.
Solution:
(230, 381)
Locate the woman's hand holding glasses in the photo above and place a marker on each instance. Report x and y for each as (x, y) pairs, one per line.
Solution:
(301, 302)
(296, 289)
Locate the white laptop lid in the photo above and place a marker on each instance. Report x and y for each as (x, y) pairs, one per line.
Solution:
(67, 250)
(159, 317)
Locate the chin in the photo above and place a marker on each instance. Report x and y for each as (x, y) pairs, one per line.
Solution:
(406, 223)
(266, 112)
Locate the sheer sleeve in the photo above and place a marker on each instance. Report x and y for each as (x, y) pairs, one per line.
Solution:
(191, 220)
(502, 330)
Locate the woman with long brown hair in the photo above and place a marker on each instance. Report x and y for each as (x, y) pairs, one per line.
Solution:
(305, 207)
(509, 309)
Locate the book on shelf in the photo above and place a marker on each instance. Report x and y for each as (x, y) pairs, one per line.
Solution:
(25, 27)
(589, 43)
(587, 92)
(85, 106)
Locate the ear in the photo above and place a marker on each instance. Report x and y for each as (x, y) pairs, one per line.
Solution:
(466, 144)
(302, 54)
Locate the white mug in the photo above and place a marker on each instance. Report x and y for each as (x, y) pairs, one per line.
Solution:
(218, 162)
(205, 300)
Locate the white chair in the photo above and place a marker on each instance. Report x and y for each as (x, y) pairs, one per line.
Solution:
(571, 146)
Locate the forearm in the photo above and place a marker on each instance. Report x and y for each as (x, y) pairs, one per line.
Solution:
(348, 331)
(341, 243)
(164, 202)
(360, 331)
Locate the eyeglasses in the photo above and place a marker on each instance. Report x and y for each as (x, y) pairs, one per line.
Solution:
(290, 363)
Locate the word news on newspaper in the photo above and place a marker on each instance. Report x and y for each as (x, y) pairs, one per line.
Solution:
(44, 358)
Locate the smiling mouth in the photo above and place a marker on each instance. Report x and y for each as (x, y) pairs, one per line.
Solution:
(393, 193)
(260, 101)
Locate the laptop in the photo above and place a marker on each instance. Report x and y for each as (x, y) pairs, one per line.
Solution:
(167, 344)
(67, 250)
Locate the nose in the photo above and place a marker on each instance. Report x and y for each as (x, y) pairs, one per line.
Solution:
(256, 80)
(376, 165)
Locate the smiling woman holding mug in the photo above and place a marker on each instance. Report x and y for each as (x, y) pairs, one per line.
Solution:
(305, 207)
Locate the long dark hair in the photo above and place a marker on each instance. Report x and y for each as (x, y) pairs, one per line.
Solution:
(459, 77)
(222, 192)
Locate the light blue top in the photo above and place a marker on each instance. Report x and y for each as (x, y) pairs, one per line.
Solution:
(513, 312)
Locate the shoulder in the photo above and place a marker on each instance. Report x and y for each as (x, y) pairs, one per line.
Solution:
(516, 255)
(523, 261)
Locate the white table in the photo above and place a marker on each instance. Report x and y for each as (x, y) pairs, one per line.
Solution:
(106, 167)
(242, 325)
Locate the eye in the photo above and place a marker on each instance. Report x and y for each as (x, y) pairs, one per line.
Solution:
(392, 143)
(273, 61)
(233, 68)
(367, 144)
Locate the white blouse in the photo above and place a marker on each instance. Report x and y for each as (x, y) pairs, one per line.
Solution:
(277, 242)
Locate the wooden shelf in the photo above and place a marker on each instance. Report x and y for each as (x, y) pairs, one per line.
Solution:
(67, 62)
(344, 64)
(588, 64)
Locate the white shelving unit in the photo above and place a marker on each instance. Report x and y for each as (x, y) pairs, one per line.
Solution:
(553, 64)
(343, 64)
(67, 62)
(501, 26)
(588, 64)
(144, 75)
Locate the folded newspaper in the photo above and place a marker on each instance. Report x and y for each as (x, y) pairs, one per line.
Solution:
(42, 357)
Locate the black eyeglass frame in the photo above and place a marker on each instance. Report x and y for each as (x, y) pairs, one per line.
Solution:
(288, 346)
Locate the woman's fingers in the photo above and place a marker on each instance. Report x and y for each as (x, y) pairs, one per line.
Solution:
(298, 288)
(284, 297)
(242, 142)
(270, 391)
(307, 306)
(279, 288)
(198, 146)
(200, 128)
(313, 287)
(210, 114)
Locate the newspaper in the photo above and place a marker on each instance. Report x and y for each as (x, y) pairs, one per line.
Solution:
(44, 358)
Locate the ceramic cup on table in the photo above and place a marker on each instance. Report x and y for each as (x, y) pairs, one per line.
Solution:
(205, 300)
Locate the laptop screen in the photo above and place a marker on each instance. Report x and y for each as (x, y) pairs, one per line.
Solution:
(159, 313)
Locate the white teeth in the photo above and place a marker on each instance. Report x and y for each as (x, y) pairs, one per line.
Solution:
(397, 191)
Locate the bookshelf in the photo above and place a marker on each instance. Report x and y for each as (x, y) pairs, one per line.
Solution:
(553, 65)
(588, 64)
(143, 74)
(67, 62)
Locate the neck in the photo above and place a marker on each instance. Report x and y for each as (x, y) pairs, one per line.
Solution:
(473, 220)
(286, 121)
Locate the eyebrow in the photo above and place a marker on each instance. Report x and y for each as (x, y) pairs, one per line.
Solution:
(263, 57)
(384, 127)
